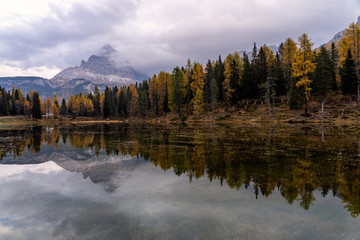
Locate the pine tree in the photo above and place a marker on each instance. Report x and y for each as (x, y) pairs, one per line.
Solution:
(96, 101)
(269, 88)
(349, 80)
(351, 41)
(281, 83)
(177, 90)
(36, 107)
(219, 70)
(233, 69)
(334, 66)
(63, 109)
(107, 102)
(261, 67)
(166, 108)
(143, 100)
(209, 74)
(323, 74)
(214, 91)
(4, 102)
(250, 88)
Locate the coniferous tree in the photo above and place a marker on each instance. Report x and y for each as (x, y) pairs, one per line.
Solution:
(334, 66)
(281, 83)
(304, 66)
(197, 87)
(288, 54)
(63, 109)
(177, 90)
(219, 70)
(349, 80)
(142, 100)
(166, 108)
(4, 102)
(323, 74)
(248, 81)
(214, 91)
(107, 103)
(209, 74)
(269, 88)
(261, 67)
(96, 101)
(36, 106)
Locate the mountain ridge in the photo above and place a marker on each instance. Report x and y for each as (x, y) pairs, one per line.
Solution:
(107, 67)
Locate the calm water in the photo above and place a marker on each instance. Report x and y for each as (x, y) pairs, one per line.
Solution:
(138, 182)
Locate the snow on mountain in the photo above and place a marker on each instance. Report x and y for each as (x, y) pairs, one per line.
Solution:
(340, 34)
(107, 67)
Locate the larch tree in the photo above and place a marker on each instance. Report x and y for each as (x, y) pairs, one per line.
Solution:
(154, 95)
(27, 108)
(55, 106)
(288, 54)
(48, 106)
(197, 87)
(303, 66)
(133, 99)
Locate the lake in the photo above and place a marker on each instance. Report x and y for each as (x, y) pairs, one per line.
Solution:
(120, 181)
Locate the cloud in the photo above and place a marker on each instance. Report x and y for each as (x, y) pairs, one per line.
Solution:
(58, 38)
(156, 35)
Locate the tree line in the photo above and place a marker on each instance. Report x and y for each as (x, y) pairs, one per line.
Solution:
(296, 73)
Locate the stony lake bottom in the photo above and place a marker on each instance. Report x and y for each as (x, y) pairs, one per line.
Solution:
(117, 181)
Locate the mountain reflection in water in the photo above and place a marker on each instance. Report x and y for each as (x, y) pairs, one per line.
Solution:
(296, 162)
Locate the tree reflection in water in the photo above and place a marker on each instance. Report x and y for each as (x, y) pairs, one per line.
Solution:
(295, 161)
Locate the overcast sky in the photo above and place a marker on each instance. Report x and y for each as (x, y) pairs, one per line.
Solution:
(42, 37)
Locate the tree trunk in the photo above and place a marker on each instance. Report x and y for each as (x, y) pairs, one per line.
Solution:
(322, 107)
(358, 92)
(269, 107)
(306, 107)
(273, 106)
(282, 100)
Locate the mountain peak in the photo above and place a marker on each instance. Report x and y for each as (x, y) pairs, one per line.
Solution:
(107, 67)
(106, 50)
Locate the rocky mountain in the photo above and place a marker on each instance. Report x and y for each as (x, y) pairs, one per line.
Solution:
(44, 87)
(107, 68)
(340, 34)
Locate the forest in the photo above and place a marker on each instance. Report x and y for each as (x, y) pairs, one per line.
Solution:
(296, 74)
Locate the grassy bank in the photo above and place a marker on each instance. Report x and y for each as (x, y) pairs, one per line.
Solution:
(337, 112)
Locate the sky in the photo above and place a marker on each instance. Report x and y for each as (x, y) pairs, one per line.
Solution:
(43, 37)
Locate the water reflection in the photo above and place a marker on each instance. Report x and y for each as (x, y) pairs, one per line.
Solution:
(297, 162)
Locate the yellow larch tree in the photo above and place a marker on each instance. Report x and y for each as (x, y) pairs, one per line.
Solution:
(303, 66)
(197, 88)
(133, 100)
